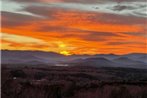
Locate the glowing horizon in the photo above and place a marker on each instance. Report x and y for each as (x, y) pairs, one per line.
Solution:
(75, 26)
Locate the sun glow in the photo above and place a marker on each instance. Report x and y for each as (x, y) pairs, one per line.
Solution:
(62, 45)
(65, 53)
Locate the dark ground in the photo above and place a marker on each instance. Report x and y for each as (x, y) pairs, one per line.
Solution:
(73, 82)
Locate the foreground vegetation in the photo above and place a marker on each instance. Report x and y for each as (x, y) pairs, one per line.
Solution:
(73, 82)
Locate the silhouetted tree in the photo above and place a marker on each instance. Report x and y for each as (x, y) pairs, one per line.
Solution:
(121, 93)
(18, 73)
(39, 75)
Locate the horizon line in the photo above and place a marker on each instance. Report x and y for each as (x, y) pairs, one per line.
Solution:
(75, 54)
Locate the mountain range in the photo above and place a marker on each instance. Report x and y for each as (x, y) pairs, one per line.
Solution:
(132, 60)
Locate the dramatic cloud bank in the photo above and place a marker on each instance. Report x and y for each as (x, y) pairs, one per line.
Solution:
(75, 26)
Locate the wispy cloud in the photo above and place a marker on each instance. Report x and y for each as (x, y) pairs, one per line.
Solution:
(83, 26)
(21, 39)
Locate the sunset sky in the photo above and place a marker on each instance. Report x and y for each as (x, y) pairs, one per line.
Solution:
(75, 26)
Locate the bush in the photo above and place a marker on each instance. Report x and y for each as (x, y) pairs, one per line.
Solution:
(18, 73)
(39, 75)
(121, 93)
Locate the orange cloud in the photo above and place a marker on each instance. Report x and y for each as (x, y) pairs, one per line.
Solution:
(73, 32)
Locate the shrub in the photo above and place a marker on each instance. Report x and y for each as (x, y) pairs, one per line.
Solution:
(39, 75)
(18, 73)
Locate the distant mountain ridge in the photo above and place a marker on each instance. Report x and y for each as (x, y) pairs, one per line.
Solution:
(54, 53)
(94, 62)
(26, 57)
(133, 60)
